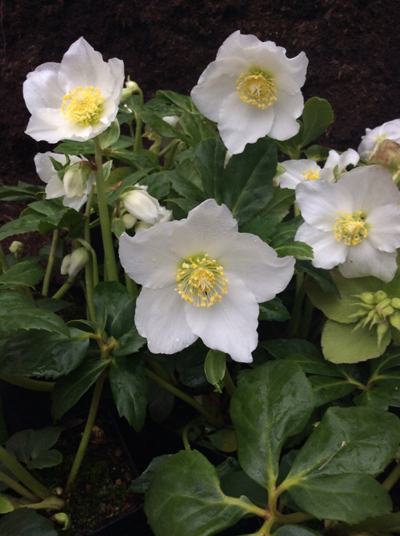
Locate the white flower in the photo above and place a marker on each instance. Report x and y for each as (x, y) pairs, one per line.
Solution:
(252, 90)
(200, 277)
(353, 223)
(74, 196)
(76, 99)
(373, 137)
(145, 207)
(298, 171)
(73, 263)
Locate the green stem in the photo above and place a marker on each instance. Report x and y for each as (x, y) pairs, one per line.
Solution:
(90, 266)
(391, 480)
(296, 312)
(64, 289)
(88, 430)
(185, 435)
(27, 383)
(168, 147)
(109, 255)
(183, 396)
(169, 160)
(131, 287)
(50, 263)
(131, 131)
(3, 261)
(16, 486)
(22, 474)
(228, 382)
(138, 136)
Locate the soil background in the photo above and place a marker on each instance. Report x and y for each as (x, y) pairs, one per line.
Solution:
(353, 49)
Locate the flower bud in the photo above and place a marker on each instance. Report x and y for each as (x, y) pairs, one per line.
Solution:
(17, 248)
(75, 180)
(367, 297)
(74, 262)
(129, 89)
(394, 319)
(63, 519)
(382, 304)
(142, 206)
(395, 303)
(128, 220)
(380, 295)
(387, 311)
(381, 331)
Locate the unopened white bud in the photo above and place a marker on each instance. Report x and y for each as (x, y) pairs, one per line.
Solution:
(129, 221)
(75, 180)
(142, 206)
(74, 262)
(16, 247)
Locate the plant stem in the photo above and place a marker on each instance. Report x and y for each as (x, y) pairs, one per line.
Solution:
(50, 263)
(109, 255)
(64, 289)
(88, 430)
(183, 396)
(3, 261)
(228, 382)
(131, 287)
(138, 120)
(90, 266)
(22, 474)
(27, 383)
(16, 486)
(391, 480)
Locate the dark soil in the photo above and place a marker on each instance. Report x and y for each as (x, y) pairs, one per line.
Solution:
(352, 45)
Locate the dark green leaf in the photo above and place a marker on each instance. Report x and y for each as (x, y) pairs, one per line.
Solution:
(22, 192)
(43, 354)
(285, 232)
(47, 459)
(279, 205)
(181, 101)
(328, 389)
(29, 445)
(27, 273)
(317, 116)
(215, 367)
(69, 389)
(24, 224)
(377, 397)
(295, 530)
(141, 159)
(273, 310)
(322, 277)
(109, 298)
(272, 402)
(237, 483)
(196, 127)
(281, 348)
(185, 498)
(300, 250)
(123, 328)
(49, 304)
(26, 522)
(13, 298)
(76, 148)
(28, 318)
(317, 153)
(142, 483)
(129, 386)
(209, 161)
(185, 188)
(264, 227)
(156, 123)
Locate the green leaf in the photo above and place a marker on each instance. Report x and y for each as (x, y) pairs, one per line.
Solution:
(109, 298)
(215, 367)
(341, 344)
(273, 311)
(69, 389)
(196, 127)
(124, 330)
(300, 250)
(30, 446)
(322, 277)
(350, 498)
(237, 483)
(272, 402)
(26, 522)
(22, 192)
(279, 205)
(76, 148)
(389, 360)
(247, 180)
(185, 188)
(281, 348)
(141, 159)
(142, 483)
(185, 498)
(224, 440)
(317, 116)
(317, 153)
(5, 507)
(285, 232)
(27, 273)
(295, 530)
(377, 397)
(181, 101)
(13, 298)
(328, 389)
(129, 387)
(54, 354)
(27, 318)
(209, 161)
(24, 224)
(264, 227)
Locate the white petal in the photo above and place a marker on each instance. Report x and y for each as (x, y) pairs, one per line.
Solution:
(217, 83)
(294, 172)
(258, 266)
(238, 45)
(147, 258)
(363, 260)
(44, 167)
(54, 188)
(370, 187)
(385, 228)
(209, 228)
(41, 89)
(320, 201)
(241, 123)
(229, 326)
(160, 317)
(74, 202)
(328, 252)
(287, 109)
(346, 158)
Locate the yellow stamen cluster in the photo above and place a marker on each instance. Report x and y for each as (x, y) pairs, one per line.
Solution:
(201, 281)
(311, 175)
(351, 228)
(82, 106)
(257, 88)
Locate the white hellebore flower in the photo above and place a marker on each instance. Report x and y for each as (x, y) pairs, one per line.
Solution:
(373, 137)
(353, 224)
(73, 263)
(298, 171)
(75, 186)
(76, 99)
(200, 277)
(145, 207)
(252, 90)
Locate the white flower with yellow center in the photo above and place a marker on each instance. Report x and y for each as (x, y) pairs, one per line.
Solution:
(252, 90)
(200, 277)
(353, 224)
(74, 188)
(373, 137)
(76, 99)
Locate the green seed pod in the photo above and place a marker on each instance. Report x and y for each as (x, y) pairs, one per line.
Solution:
(380, 295)
(381, 331)
(395, 303)
(382, 304)
(367, 297)
(387, 311)
(394, 319)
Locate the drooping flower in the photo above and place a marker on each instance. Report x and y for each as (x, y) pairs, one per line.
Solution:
(298, 171)
(73, 263)
(76, 99)
(145, 207)
(252, 90)
(373, 137)
(353, 224)
(75, 187)
(200, 277)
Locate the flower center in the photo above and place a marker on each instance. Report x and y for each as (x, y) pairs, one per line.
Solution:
(201, 281)
(351, 228)
(257, 88)
(311, 175)
(82, 106)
